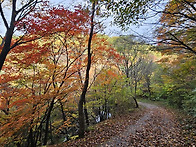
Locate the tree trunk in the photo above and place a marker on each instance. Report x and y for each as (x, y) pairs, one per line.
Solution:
(134, 98)
(64, 119)
(84, 90)
(31, 141)
(47, 121)
(136, 103)
(81, 118)
(148, 86)
(86, 113)
(51, 135)
(8, 36)
(6, 47)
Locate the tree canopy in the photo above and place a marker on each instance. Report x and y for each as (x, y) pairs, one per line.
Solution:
(177, 32)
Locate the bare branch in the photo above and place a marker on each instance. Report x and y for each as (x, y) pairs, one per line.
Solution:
(182, 43)
(26, 9)
(192, 5)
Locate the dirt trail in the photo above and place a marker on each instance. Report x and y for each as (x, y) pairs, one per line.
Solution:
(157, 127)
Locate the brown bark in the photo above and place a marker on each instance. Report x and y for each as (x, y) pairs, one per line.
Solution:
(47, 121)
(86, 114)
(134, 98)
(6, 47)
(85, 87)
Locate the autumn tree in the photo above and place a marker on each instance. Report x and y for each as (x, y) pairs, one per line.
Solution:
(178, 81)
(44, 77)
(117, 8)
(86, 82)
(176, 41)
(149, 67)
(109, 95)
(103, 55)
(177, 31)
(19, 11)
(133, 53)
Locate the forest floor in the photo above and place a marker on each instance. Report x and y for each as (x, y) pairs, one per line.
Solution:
(151, 125)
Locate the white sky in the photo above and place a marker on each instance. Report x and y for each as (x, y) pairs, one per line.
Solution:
(110, 30)
(144, 30)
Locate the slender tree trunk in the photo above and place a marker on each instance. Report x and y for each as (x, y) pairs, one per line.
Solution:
(136, 103)
(106, 109)
(134, 98)
(100, 114)
(8, 36)
(51, 135)
(47, 121)
(86, 113)
(31, 141)
(64, 119)
(127, 68)
(84, 90)
(81, 118)
(6, 47)
(148, 86)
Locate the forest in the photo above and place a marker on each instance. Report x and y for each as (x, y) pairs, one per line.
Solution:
(62, 79)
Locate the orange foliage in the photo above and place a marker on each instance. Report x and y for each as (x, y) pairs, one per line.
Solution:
(43, 74)
(177, 31)
(42, 71)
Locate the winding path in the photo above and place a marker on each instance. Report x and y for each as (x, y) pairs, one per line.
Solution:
(157, 127)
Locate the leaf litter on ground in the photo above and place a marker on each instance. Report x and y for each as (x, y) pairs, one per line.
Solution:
(150, 126)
